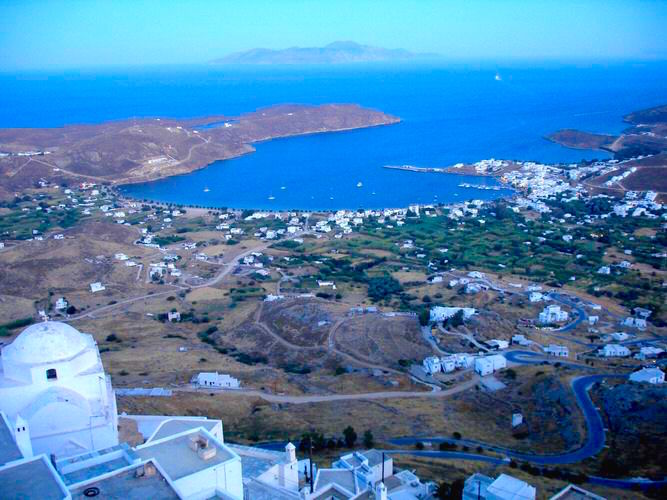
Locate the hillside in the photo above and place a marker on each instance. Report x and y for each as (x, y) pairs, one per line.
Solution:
(137, 150)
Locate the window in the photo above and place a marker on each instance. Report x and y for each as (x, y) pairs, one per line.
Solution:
(51, 374)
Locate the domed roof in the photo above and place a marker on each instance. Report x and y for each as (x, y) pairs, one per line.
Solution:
(45, 342)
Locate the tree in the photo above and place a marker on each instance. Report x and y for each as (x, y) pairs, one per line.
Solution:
(350, 436)
(369, 441)
(424, 317)
(457, 319)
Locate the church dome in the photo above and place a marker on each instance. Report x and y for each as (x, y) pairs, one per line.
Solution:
(46, 342)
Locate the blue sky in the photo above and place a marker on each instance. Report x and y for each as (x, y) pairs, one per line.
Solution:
(73, 33)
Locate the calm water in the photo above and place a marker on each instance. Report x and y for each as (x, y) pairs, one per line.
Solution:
(450, 114)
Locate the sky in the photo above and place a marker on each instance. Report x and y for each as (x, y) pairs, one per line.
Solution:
(71, 33)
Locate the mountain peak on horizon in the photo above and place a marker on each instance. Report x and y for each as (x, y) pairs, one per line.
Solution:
(337, 52)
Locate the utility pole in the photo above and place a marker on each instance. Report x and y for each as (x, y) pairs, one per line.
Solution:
(310, 459)
(382, 480)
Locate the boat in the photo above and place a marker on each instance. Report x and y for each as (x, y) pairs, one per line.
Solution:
(359, 184)
(272, 197)
(283, 187)
(373, 192)
(498, 78)
(206, 190)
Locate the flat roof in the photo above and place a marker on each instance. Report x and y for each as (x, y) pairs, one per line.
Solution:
(341, 477)
(256, 462)
(129, 484)
(30, 479)
(9, 451)
(178, 425)
(177, 459)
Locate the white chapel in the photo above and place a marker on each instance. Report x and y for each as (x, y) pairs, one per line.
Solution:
(54, 391)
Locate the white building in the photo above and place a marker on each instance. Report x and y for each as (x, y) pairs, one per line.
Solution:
(447, 364)
(560, 351)
(61, 304)
(498, 344)
(52, 381)
(638, 323)
(504, 487)
(215, 379)
(614, 351)
(97, 287)
(173, 316)
(489, 364)
(648, 352)
(520, 339)
(432, 365)
(552, 314)
(440, 313)
(650, 375)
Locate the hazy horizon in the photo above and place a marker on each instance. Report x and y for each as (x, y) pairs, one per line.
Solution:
(60, 34)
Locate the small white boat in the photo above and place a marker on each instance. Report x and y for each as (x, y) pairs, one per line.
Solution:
(283, 187)
(272, 197)
(331, 197)
(359, 184)
(498, 77)
(206, 190)
(373, 192)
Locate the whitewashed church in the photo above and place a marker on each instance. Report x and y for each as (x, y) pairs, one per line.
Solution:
(59, 440)
(53, 386)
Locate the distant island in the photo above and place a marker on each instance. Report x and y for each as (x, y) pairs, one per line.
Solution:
(334, 53)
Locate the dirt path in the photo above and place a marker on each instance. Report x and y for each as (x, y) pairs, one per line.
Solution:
(274, 398)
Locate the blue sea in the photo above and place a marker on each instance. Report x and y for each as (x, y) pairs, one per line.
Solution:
(450, 113)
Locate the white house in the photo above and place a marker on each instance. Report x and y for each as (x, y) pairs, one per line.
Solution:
(614, 351)
(620, 336)
(560, 351)
(535, 296)
(447, 364)
(638, 323)
(215, 379)
(52, 380)
(173, 316)
(432, 365)
(520, 339)
(650, 375)
(489, 364)
(97, 287)
(648, 352)
(61, 304)
(498, 344)
(441, 313)
(552, 314)
(197, 463)
(504, 487)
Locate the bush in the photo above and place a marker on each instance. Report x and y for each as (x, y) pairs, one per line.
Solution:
(419, 445)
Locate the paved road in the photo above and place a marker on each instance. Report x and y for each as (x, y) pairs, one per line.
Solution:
(595, 435)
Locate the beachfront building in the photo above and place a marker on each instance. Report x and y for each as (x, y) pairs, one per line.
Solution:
(53, 384)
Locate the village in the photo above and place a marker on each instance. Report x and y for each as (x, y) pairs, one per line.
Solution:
(450, 307)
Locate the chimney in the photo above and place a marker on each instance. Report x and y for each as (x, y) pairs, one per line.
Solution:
(290, 453)
(380, 491)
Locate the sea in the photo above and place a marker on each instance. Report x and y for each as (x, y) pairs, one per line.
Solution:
(450, 112)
